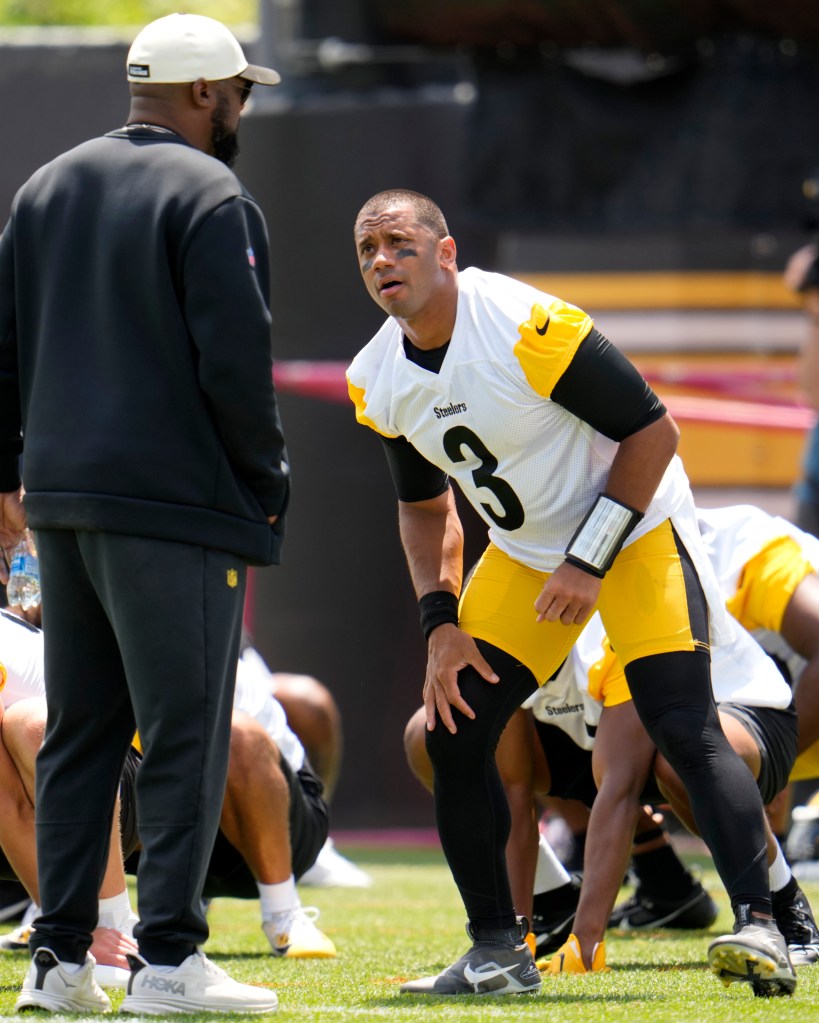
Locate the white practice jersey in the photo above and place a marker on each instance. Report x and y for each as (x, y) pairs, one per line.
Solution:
(22, 675)
(562, 703)
(741, 671)
(736, 534)
(21, 660)
(529, 467)
(253, 697)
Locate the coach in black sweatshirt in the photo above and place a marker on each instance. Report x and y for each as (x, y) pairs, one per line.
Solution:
(136, 381)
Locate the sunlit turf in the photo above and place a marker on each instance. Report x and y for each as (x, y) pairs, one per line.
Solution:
(411, 923)
(121, 12)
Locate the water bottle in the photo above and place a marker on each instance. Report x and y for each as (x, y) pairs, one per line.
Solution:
(23, 587)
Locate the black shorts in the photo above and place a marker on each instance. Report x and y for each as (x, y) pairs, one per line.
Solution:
(129, 839)
(569, 765)
(775, 733)
(571, 768)
(228, 874)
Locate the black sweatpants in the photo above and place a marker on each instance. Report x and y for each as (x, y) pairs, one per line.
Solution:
(228, 873)
(138, 633)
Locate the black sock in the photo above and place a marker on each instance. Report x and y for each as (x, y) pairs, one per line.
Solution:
(574, 861)
(564, 897)
(662, 873)
(787, 894)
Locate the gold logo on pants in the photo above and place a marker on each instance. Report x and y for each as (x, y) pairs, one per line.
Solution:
(232, 578)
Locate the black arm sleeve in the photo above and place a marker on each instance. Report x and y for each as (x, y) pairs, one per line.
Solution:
(601, 387)
(414, 478)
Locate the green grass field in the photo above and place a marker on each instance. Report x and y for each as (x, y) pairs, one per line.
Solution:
(121, 12)
(411, 923)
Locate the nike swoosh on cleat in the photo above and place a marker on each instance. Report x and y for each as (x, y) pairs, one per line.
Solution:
(482, 974)
(542, 330)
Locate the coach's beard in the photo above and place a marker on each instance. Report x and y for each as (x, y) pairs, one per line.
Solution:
(225, 142)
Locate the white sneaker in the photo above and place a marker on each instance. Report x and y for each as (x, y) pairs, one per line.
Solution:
(30, 915)
(17, 940)
(332, 870)
(196, 985)
(50, 986)
(296, 936)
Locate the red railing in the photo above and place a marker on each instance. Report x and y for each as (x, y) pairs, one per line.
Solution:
(326, 381)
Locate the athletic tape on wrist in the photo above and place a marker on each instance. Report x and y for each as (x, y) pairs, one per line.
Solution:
(437, 608)
(601, 535)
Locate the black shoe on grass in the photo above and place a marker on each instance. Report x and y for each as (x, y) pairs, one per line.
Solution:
(499, 963)
(694, 911)
(553, 916)
(794, 918)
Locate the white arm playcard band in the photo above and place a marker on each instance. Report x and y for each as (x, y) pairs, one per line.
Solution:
(601, 534)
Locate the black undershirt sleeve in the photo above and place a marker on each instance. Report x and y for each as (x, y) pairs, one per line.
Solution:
(601, 387)
(414, 478)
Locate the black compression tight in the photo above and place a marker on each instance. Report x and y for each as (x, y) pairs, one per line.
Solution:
(471, 808)
(672, 694)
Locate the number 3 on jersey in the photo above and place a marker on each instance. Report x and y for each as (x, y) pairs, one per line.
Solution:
(460, 437)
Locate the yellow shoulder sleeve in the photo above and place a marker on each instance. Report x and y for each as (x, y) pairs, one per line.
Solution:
(548, 341)
(360, 402)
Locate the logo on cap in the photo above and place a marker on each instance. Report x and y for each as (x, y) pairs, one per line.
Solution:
(139, 70)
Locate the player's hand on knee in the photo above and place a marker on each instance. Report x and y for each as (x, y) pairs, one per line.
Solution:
(568, 596)
(449, 651)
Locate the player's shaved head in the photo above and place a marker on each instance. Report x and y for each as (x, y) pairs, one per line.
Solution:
(426, 211)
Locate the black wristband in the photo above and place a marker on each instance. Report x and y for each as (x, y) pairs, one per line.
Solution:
(437, 608)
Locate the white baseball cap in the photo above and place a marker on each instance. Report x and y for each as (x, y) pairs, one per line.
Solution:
(187, 47)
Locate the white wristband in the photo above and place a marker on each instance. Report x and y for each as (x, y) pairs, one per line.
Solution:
(601, 534)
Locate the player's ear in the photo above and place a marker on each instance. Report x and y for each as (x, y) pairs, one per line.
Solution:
(448, 251)
(202, 93)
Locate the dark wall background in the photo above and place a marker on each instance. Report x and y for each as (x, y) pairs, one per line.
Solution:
(584, 135)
